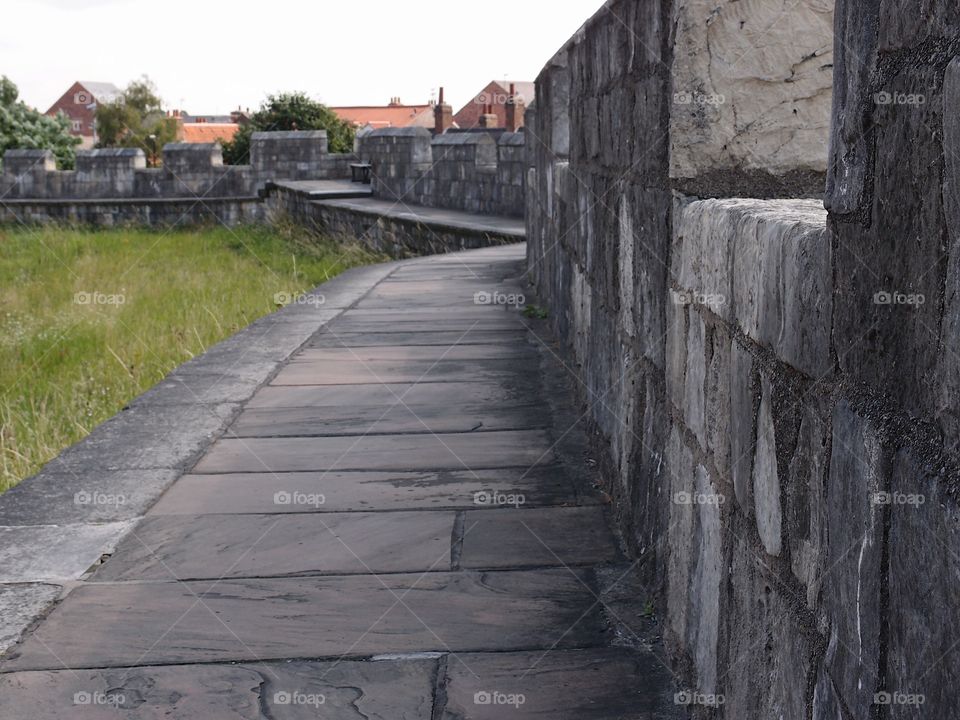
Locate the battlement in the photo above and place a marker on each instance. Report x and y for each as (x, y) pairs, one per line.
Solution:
(472, 172)
(189, 170)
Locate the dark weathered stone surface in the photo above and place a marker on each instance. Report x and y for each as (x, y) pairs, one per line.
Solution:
(924, 548)
(384, 452)
(233, 546)
(859, 469)
(387, 371)
(280, 691)
(406, 353)
(119, 625)
(517, 537)
(444, 338)
(392, 417)
(357, 491)
(566, 685)
(451, 395)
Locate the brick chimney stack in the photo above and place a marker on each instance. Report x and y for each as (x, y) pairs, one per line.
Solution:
(489, 118)
(442, 115)
(515, 110)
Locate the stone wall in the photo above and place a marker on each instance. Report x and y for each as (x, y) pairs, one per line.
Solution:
(189, 170)
(164, 213)
(472, 172)
(391, 230)
(774, 389)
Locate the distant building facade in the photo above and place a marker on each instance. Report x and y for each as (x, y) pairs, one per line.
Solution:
(496, 99)
(79, 103)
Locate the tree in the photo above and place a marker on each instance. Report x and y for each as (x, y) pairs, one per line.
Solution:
(137, 120)
(290, 111)
(22, 127)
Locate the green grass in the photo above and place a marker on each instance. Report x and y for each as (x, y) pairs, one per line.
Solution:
(69, 361)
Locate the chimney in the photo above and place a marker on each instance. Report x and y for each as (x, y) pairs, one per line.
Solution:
(515, 110)
(489, 118)
(442, 115)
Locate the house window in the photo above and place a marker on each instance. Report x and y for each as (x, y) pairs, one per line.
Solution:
(77, 125)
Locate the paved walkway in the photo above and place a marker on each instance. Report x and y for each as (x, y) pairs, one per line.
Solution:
(399, 525)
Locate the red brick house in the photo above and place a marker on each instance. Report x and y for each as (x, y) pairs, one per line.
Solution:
(79, 104)
(494, 98)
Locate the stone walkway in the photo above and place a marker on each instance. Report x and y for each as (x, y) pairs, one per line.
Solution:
(399, 525)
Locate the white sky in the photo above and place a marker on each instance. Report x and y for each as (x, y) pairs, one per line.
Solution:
(211, 56)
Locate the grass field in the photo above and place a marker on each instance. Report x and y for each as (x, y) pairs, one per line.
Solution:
(89, 320)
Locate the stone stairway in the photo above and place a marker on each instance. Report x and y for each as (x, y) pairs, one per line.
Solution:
(400, 525)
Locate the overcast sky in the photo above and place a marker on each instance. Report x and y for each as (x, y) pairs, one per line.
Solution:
(211, 56)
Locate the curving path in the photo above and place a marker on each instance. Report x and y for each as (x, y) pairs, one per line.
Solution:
(400, 524)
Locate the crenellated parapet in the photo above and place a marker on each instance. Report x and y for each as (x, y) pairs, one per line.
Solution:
(477, 172)
(188, 170)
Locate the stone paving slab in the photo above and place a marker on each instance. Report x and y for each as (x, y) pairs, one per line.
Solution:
(401, 353)
(379, 420)
(519, 537)
(102, 625)
(607, 684)
(190, 547)
(51, 553)
(83, 496)
(262, 691)
(444, 338)
(449, 395)
(465, 326)
(19, 605)
(521, 448)
(359, 491)
(148, 437)
(353, 372)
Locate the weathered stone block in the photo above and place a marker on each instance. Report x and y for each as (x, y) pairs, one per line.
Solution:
(752, 84)
(924, 580)
(743, 432)
(694, 395)
(767, 661)
(859, 470)
(766, 476)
